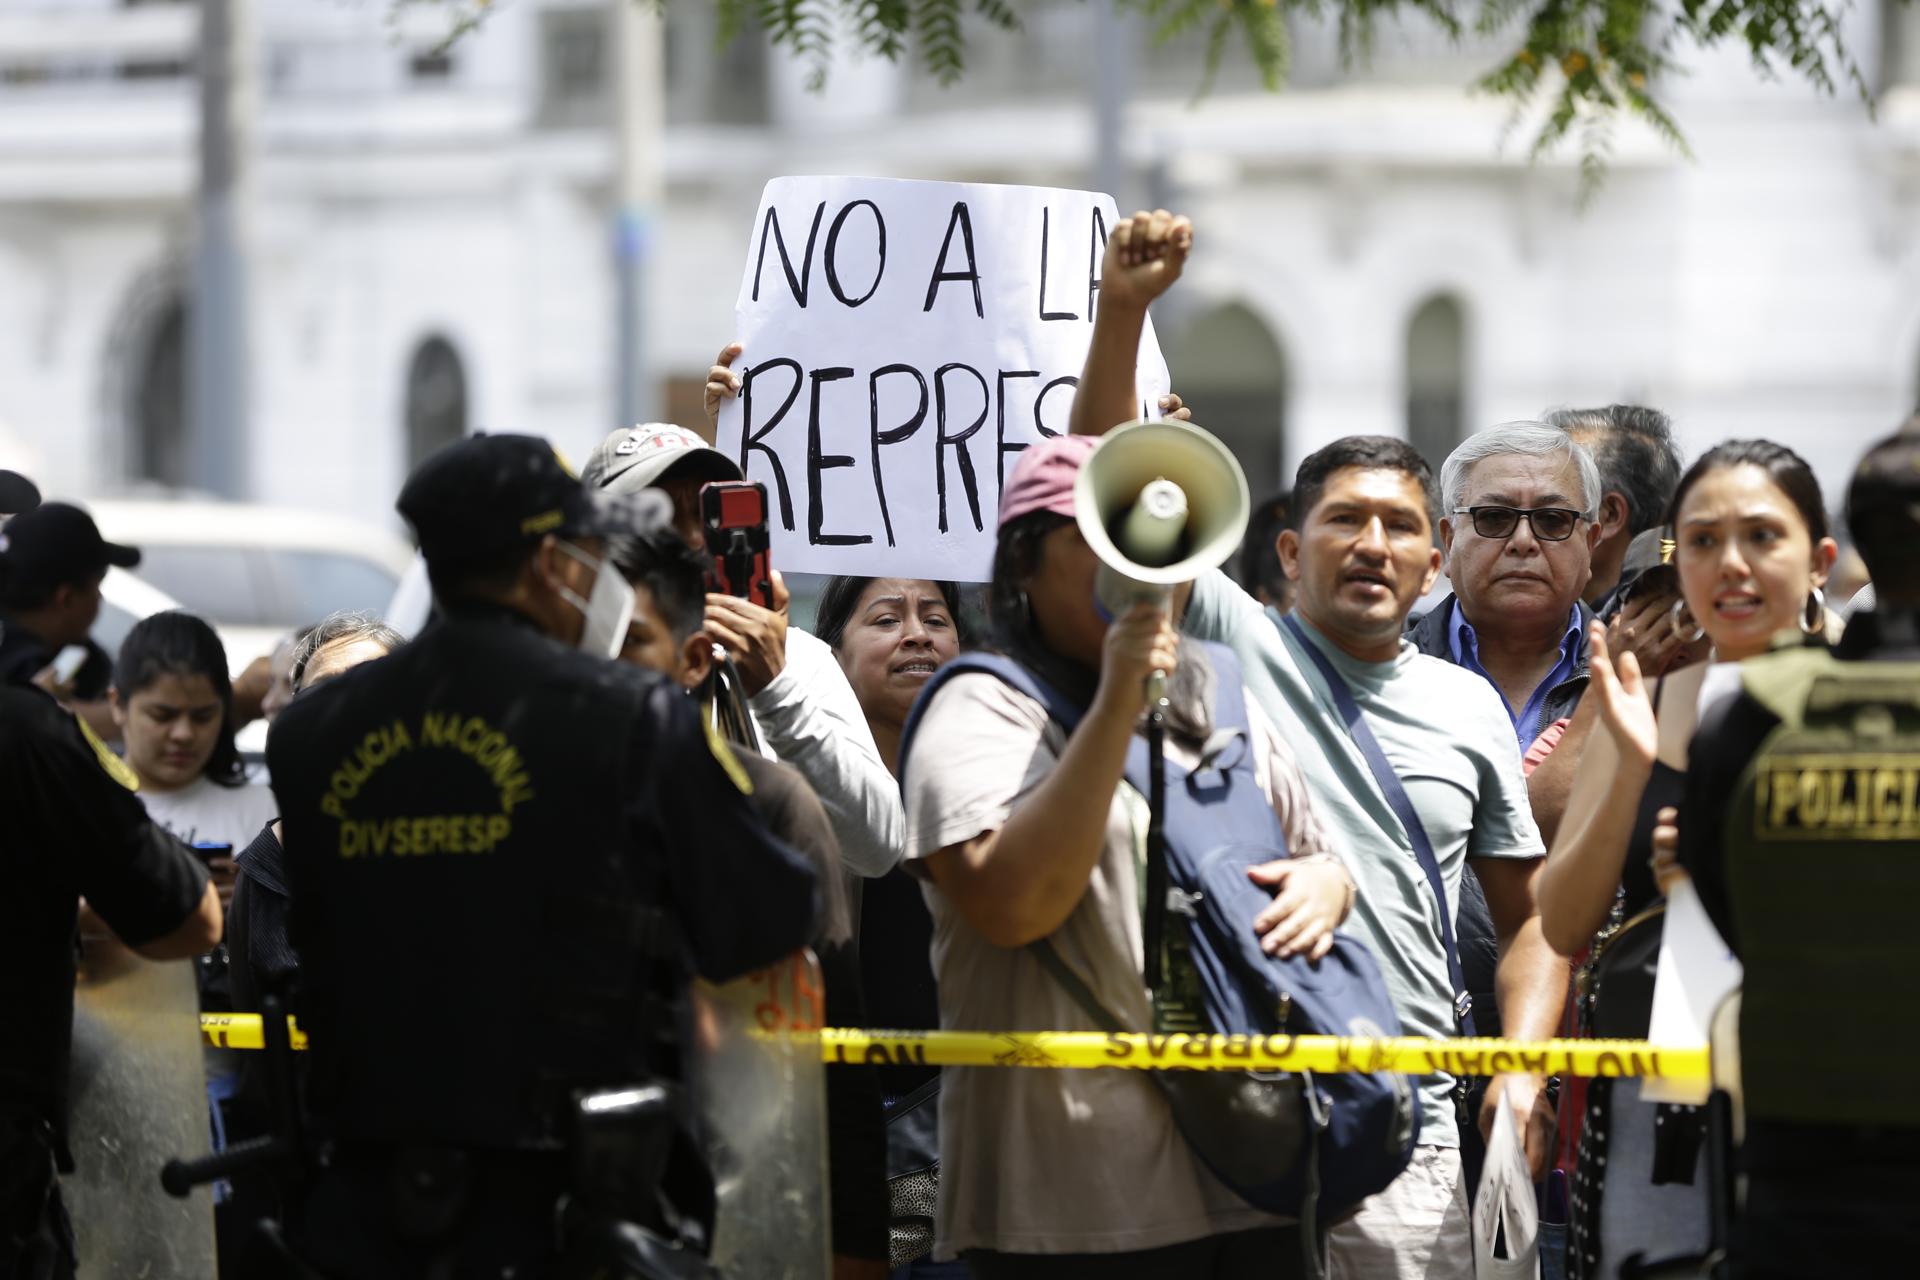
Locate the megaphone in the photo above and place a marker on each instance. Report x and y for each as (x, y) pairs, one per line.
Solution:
(1160, 503)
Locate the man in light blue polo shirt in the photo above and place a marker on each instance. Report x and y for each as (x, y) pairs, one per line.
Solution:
(1360, 553)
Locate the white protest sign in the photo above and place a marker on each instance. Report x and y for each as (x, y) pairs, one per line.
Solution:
(1695, 971)
(902, 343)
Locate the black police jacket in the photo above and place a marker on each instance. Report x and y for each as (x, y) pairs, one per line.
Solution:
(70, 830)
(500, 850)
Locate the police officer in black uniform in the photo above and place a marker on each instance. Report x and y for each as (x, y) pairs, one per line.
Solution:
(1801, 830)
(505, 851)
(60, 560)
(70, 827)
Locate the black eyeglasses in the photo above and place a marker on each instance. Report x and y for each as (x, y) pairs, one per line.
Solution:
(1550, 524)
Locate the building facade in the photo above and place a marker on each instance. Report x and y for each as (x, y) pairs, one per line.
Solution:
(431, 248)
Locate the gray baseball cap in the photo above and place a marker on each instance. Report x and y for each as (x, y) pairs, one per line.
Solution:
(640, 457)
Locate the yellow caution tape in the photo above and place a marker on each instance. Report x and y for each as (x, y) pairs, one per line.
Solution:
(1328, 1054)
(242, 1031)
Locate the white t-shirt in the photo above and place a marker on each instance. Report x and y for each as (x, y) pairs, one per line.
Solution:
(810, 720)
(203, 813)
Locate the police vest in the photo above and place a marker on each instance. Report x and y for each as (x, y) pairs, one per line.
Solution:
(1823, 867)
(478, 934)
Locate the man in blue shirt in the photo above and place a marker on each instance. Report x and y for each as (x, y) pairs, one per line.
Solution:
(1518, 530)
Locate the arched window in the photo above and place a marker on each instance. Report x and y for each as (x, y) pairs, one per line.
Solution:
(1436, 378)
(436, 399)
(158, 410)
(1230, 370)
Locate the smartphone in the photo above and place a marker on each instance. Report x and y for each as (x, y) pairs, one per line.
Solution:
(212, 853)
(733, 515)
(67, 663)
(1656, 580)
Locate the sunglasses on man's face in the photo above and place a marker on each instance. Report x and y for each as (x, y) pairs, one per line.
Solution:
(1550, 524)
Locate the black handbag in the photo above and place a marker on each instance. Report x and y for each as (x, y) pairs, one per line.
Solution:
(1621, 975)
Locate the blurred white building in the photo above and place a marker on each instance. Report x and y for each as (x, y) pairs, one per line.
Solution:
(431, 243)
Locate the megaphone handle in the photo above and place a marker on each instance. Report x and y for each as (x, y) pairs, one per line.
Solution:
(1154, 926)
(1156, 691)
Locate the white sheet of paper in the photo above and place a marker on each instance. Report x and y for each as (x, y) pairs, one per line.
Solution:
(1505, 1200)
(903, 342)
(1694, 973)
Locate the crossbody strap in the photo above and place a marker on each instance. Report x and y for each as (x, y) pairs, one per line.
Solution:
(1070, 982)
(1396, 795)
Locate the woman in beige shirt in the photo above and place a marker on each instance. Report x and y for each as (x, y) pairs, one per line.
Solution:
(1023, 831)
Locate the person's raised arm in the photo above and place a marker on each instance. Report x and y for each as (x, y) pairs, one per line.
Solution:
(1145, 255)
(1020, 883)
(1576, 887)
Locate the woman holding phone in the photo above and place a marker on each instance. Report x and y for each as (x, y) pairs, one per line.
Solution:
(172, 700)
(1752, 554)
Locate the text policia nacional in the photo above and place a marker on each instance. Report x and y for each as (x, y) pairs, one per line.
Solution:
(421, 836)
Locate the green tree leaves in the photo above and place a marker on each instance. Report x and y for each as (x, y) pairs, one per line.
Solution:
(1581, 65)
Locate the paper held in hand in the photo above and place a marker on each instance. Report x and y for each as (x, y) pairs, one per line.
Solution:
(902, 343)
(1694, 973)
(1506, 1215)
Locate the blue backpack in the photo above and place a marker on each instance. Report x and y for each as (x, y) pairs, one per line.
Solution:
(1217, 824)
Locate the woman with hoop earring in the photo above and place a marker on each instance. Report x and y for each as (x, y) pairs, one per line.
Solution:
(1752, 554)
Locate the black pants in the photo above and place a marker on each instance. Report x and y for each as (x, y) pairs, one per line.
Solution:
(358, 1223)
(1270, 1253)
(36, 1237)
(1824, 1201)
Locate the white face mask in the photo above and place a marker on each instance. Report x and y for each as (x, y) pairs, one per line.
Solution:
(607, 609)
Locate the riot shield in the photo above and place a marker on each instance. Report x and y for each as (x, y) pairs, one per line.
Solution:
(139, 1098)
(762, 1109)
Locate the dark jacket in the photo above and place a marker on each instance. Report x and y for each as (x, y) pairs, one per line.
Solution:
(500, 852)
(1473, 931)
(1429, 635)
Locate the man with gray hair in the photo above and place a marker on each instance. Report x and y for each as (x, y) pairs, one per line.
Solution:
(1639, 467)
(1518, 527)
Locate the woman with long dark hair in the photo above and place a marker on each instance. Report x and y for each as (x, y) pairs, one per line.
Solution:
(173, 702)
(1025, 832)
(1752, 552)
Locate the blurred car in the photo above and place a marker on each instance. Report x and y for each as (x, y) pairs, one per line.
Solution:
(124, 600)
(255, 572)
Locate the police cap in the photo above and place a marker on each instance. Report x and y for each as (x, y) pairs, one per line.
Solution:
(56, 544)
(17, 494)
(1885, 491)
(485, 495)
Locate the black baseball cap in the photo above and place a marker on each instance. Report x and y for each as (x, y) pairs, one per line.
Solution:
(1883, 499)
(488, 494)
(56, 544)
(17, 493)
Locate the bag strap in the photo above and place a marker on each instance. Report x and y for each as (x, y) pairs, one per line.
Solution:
(1058, 707)
(1070, 982)
(1403, 809)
